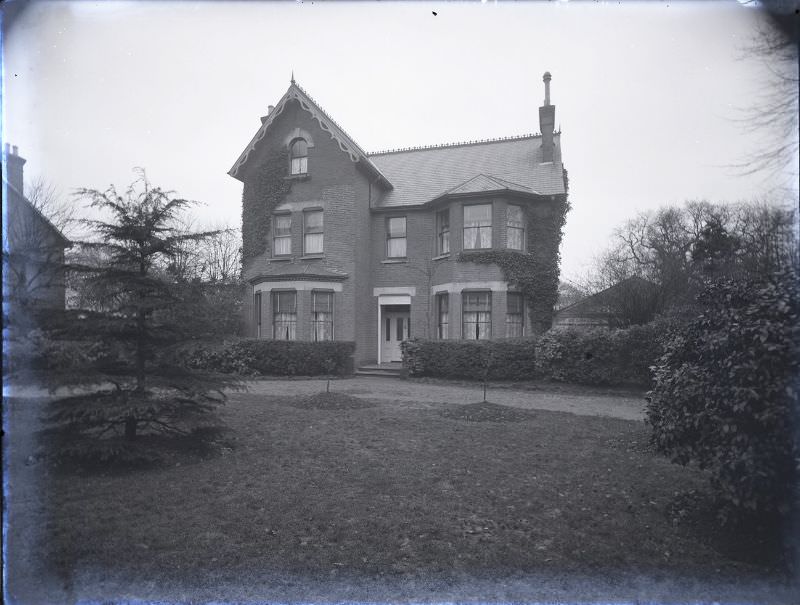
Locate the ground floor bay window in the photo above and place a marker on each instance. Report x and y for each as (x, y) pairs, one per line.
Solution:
(515, 316)
(284, 315)
(443, 314)
(321, 315)
(476, 315)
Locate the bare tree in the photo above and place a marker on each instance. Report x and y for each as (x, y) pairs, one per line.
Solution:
(33, 248)
(775, 111)
(45, 197)
(221, 256)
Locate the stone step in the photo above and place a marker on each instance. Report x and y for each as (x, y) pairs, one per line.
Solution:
(380, 370)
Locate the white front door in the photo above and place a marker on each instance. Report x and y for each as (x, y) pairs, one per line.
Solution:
(394, 330)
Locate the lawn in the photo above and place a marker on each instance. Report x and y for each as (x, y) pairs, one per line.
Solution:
(388, 490)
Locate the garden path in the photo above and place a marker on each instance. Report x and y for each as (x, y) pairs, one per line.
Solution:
(627, 406)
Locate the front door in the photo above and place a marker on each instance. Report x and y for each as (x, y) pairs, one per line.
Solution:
(394, 330)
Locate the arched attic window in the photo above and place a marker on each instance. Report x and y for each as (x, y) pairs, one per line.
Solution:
(298, 152)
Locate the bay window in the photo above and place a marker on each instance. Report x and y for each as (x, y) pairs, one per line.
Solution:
(477, 226)
(476, 315)
(284, 315)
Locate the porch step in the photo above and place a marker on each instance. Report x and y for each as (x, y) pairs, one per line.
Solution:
(386, 370)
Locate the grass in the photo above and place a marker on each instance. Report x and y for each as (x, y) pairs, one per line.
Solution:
(389, 491)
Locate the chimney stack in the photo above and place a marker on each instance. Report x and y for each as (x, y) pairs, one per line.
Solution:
(14, 164)
(547, 121)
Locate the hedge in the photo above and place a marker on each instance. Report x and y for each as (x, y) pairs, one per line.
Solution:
(273, 358)
(596, 357)
(509, 359)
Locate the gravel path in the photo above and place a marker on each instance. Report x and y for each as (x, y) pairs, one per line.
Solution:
(420, 394)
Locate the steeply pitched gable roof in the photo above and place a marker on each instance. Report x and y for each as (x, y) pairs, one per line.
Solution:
(424, 174)
(326, 123)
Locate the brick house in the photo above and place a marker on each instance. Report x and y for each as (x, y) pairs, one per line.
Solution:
(367, 247)
(33, 259)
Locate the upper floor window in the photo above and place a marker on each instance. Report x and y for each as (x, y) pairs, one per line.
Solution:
(478, 226)
(477, 315)
(396, 237)
(282, 234)
(514, 315)
(284, 315)
(443, 231)
(298, 152)
(322, 315)
(312, 232)
(515, 228)
(443, 310)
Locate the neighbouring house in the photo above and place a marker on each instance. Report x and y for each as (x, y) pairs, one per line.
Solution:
(33, 248)
(375, 248)
(630, 301)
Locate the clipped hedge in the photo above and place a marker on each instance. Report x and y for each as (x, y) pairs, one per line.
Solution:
(508, 359)
(601, 357)
(274, 358)
(597, 357)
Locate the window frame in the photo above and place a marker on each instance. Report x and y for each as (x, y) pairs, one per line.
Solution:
(465, 207)
(466, 333)
(443, 311)
(442, 229)
(291, 323)
(279, 215)
(390, 237)
(257, 312)
(509, 315)
(510, 227)
(306, 213)
(315, 322)
(303, 159)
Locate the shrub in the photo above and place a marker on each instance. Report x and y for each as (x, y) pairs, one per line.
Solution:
(273, 358)
(509, 359)
(726, 392)
(601, 357)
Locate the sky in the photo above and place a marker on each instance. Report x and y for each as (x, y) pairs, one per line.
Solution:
(652, 99)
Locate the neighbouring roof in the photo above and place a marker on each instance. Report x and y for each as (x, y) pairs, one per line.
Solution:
(595, 303)
(56, 231)
(306, 271)
(424, 174)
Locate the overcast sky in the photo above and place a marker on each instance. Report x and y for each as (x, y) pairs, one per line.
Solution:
(647, 96)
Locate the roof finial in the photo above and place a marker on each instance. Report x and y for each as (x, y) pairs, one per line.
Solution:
(292, 76)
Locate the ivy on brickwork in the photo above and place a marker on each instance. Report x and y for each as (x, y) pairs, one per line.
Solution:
(536, 271)
(263, 192)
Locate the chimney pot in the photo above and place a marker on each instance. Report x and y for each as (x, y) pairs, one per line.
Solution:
(547, 120)
(546, 78)
(14, 168)
(269, 109)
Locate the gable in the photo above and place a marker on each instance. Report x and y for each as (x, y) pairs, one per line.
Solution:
(297, 96)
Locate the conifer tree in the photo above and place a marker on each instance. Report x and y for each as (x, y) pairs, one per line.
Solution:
(124, 355)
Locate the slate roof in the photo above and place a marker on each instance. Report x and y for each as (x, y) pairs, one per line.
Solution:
(424, 174)
(38, 213)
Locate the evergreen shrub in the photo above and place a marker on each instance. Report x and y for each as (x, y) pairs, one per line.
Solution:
(726, 393)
